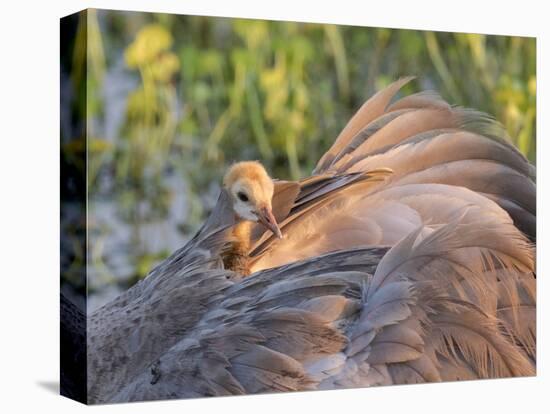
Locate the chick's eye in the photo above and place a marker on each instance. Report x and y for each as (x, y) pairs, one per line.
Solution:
(242, 196)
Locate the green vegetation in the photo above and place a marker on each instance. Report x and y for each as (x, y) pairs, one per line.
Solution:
(208, 91)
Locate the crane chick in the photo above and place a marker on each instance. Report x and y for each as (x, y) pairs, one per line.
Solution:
(251, 190)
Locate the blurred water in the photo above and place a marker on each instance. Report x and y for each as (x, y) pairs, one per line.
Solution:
(113, 253)
(117, 84)
(113, 241)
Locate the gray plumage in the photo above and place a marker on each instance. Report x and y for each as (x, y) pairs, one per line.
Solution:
(407, 257)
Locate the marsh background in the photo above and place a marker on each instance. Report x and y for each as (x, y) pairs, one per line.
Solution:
(171, 101)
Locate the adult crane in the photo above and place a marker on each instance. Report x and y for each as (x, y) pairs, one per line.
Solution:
(408, 256)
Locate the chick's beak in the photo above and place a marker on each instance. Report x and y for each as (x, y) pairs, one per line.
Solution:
(267, 218)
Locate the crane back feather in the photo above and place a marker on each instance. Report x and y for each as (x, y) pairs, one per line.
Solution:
(407, 257)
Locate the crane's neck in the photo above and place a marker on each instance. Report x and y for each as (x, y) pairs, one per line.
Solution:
(236, 258)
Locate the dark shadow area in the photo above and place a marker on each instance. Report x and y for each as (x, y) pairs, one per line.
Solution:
(73, 71)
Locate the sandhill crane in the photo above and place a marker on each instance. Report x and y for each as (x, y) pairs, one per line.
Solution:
(408, 256)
